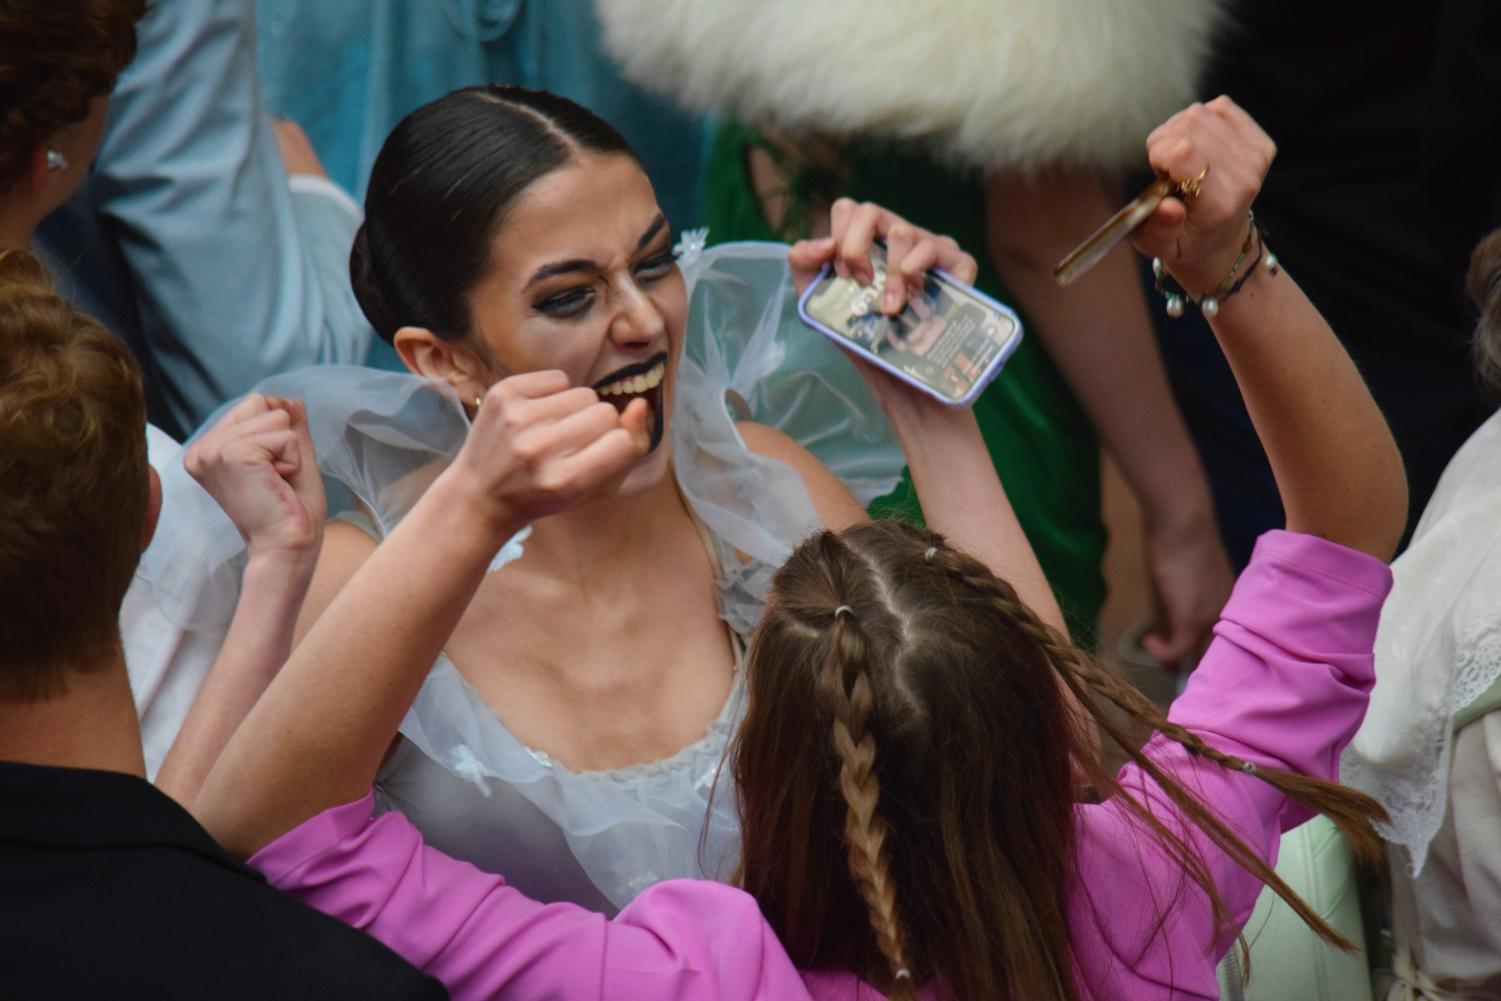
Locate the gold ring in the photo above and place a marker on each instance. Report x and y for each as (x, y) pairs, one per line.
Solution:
(1191, 187)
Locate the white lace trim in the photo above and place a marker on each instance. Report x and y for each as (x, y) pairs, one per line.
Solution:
(1438, 648)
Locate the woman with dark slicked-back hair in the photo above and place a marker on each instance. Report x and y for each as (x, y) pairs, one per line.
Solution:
(906, 774)
(574, 720)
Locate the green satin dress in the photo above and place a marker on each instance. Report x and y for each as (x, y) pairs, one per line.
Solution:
(1041, 442)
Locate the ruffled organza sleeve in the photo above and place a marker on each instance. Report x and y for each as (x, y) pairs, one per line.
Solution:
(1284, 685)
(382, 437)
(684, 940)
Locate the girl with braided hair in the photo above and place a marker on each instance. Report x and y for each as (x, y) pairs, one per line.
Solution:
(906, 773)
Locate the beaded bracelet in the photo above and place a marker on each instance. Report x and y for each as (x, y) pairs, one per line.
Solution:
(1175, 295)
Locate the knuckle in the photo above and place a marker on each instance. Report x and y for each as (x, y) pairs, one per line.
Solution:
(527, 451)
(552, 483)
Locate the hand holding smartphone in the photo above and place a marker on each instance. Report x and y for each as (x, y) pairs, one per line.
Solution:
(949, 341)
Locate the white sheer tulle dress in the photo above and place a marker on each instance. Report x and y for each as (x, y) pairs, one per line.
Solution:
(476, 791)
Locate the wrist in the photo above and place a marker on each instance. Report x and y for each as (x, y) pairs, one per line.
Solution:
(1203, 276)
(283, 559)
(916, 417)
(470, 514)
(1217, 275)
(1180, 519)
(281, 577)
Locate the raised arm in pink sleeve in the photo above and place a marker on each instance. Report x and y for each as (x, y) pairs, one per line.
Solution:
(688, 940)
(1285, 685)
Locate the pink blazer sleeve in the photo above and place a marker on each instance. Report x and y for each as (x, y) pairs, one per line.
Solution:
(695, 941)
(1285, 685)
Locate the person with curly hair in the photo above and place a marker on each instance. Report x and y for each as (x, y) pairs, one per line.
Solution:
(110, 888)
(208, 236)
(58, 64)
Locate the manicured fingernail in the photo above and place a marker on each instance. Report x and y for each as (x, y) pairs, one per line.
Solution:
(893, 300)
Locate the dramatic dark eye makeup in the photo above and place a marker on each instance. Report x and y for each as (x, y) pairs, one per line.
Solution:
(572, 303)
(567, 304)
(657, 266)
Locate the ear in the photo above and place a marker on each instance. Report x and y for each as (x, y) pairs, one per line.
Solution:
(453, 362)
(153, 508)
(41, 179)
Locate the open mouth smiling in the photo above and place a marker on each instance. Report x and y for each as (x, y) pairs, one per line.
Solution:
(642, 380)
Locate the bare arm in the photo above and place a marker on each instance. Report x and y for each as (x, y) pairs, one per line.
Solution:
(1099, 334)
(317, 736)
(963, 499)
(258, 641)
(961, 496)
(1337, 467)
(258, 463)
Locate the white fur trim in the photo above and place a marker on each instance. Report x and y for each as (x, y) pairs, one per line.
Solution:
(996, 82)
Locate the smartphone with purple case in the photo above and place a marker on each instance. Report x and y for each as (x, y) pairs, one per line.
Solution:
(949, 341)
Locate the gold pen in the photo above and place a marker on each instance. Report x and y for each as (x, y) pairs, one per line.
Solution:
(1119, 226)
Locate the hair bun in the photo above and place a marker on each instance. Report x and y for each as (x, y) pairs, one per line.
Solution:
(367, 288)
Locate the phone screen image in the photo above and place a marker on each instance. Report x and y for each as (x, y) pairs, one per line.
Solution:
(947, 340)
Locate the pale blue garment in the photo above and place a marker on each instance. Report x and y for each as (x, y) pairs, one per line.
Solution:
(475, 790)
(348, 70)
(187, 240)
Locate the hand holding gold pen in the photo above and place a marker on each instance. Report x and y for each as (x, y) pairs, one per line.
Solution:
(1119, 226)
(1202, 235)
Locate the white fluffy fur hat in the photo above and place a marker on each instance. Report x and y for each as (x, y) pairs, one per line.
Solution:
(995, 82)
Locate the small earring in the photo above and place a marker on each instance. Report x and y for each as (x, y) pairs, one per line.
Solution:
(55, 160)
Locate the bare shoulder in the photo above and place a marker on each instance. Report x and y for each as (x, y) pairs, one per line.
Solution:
(836, 506)
(345, 549)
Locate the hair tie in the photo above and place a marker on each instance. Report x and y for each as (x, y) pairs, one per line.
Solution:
(1248, 768)
(928, 555)
(844, 610)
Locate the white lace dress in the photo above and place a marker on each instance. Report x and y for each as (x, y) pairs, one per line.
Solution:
(1438, 654)
(469, 784)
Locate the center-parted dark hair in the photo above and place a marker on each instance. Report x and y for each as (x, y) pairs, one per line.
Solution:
(906, 774)
(439, 191)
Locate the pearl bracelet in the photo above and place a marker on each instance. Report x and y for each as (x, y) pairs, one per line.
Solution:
(1175, 295)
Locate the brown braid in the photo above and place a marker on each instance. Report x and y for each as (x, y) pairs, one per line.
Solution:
(846, 691)
(1350, 810)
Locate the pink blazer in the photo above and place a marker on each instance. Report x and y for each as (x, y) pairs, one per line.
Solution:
(1284, 684)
